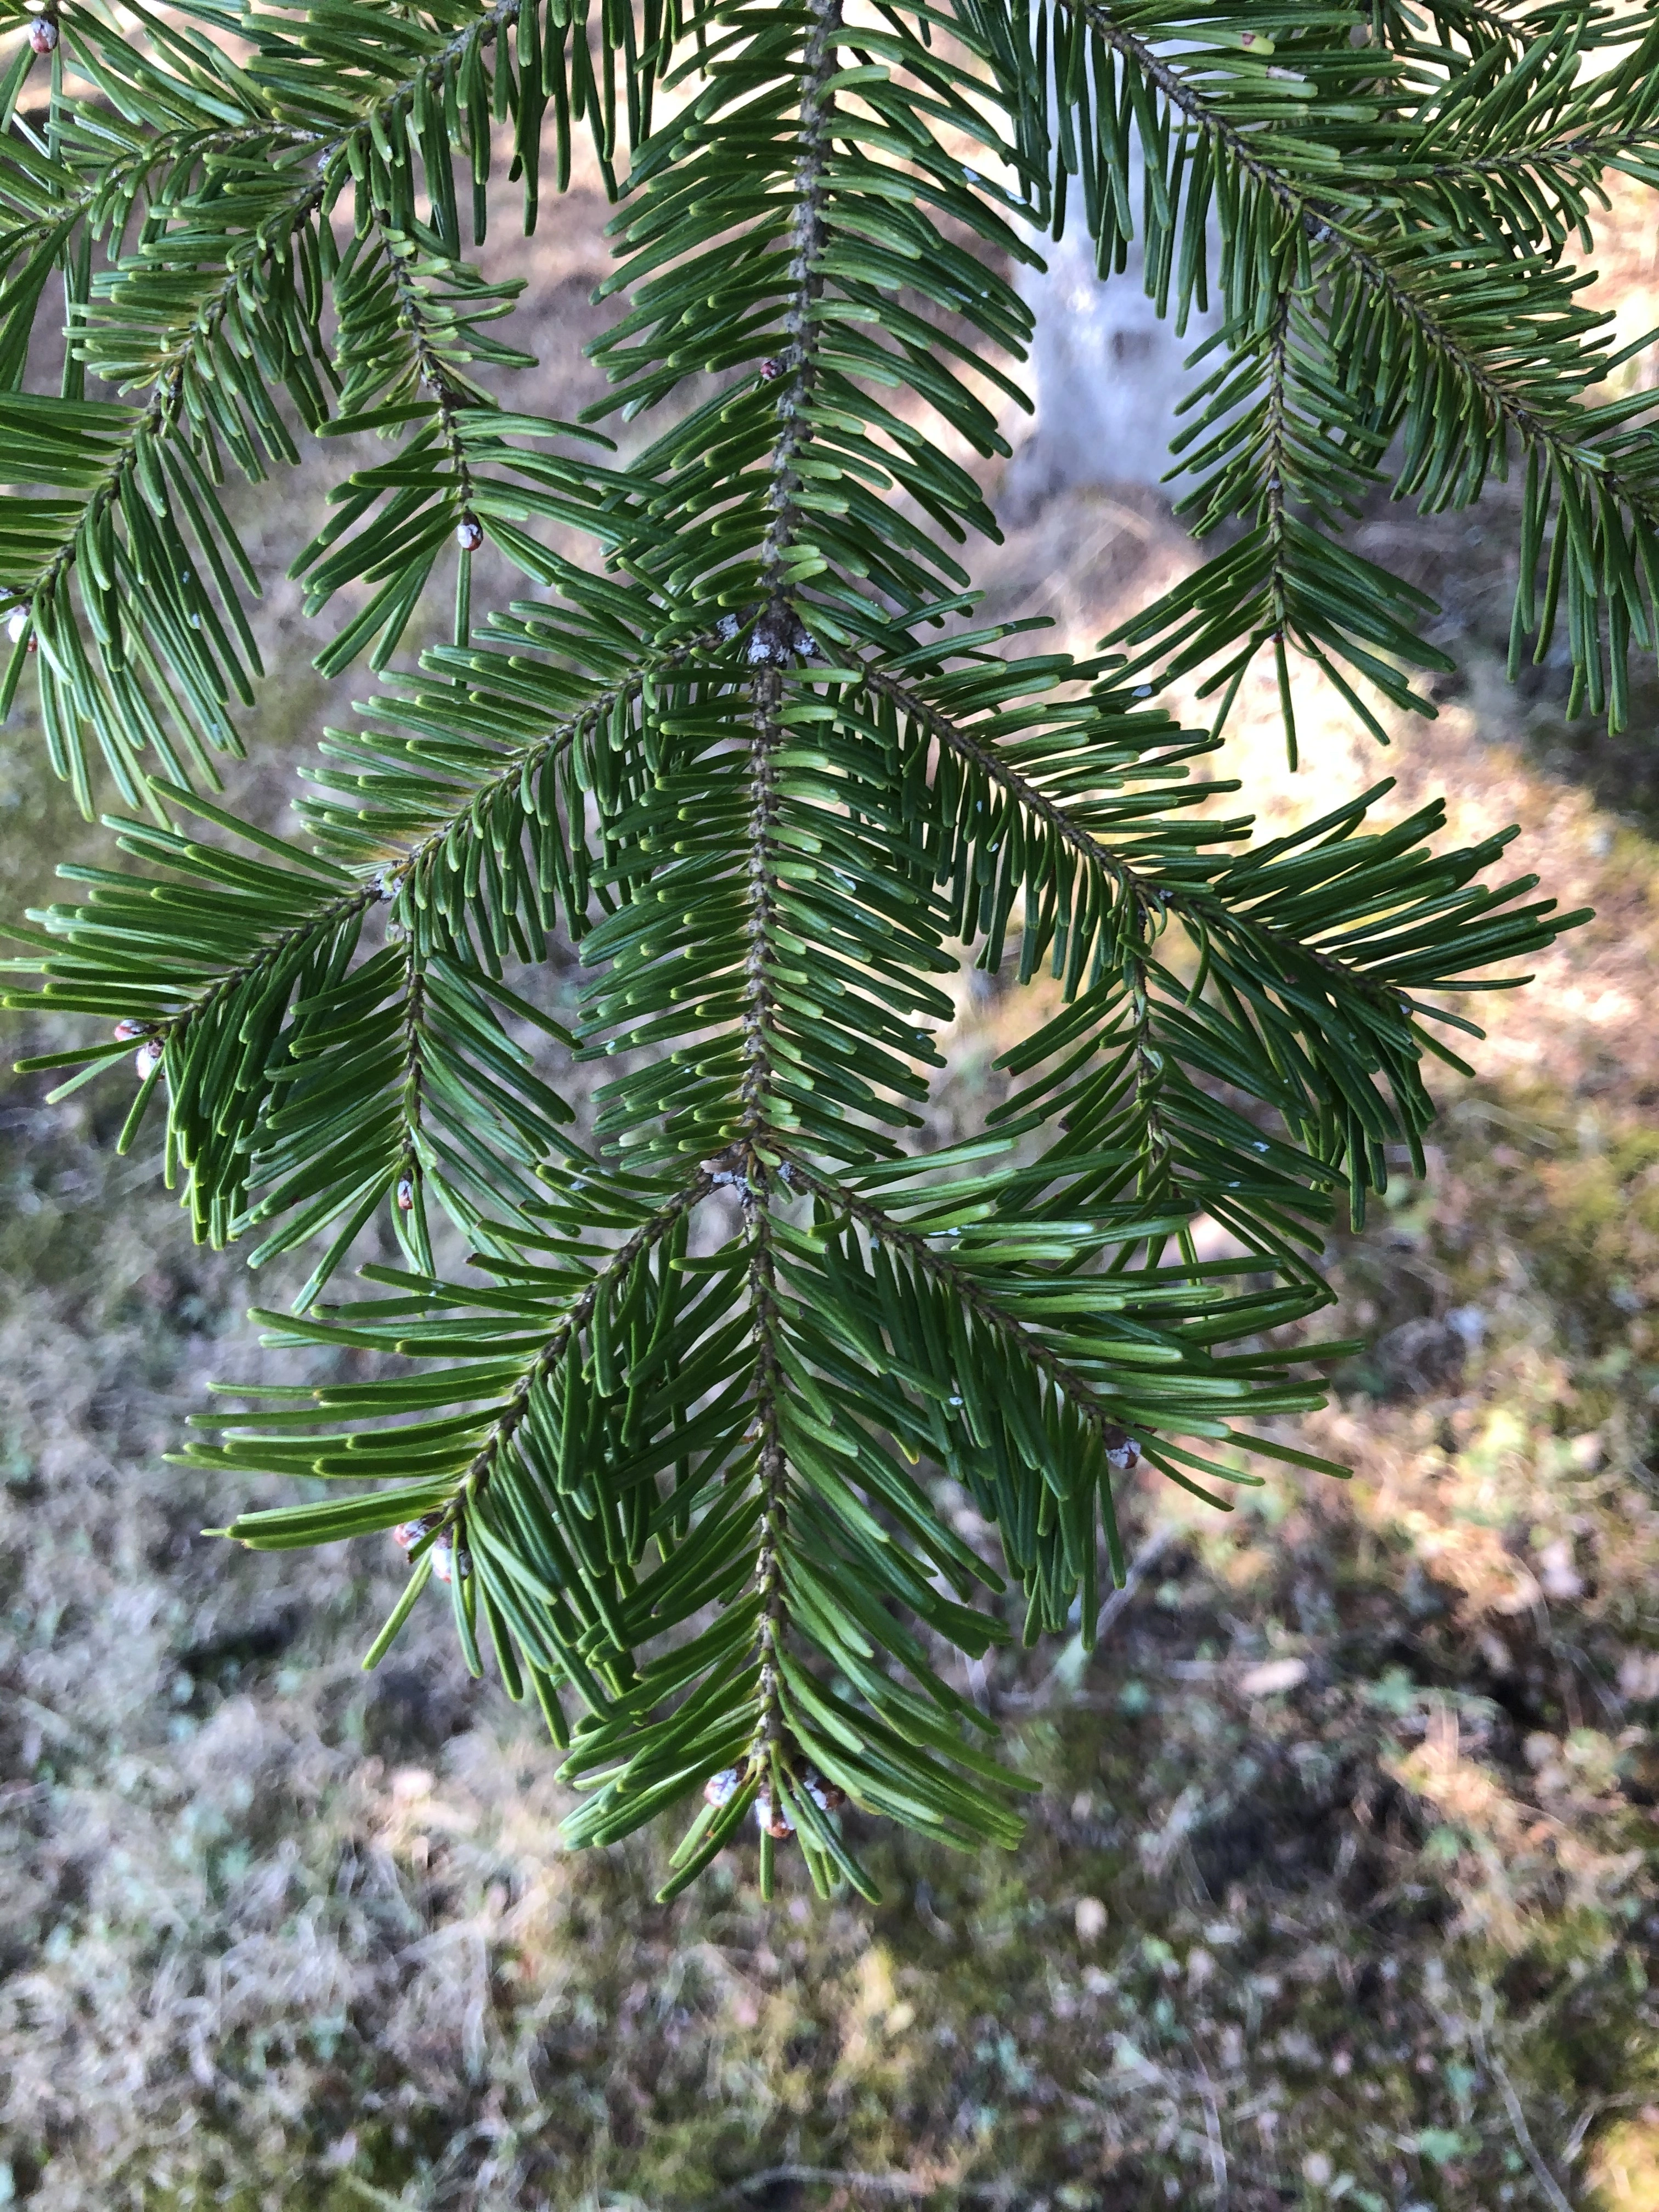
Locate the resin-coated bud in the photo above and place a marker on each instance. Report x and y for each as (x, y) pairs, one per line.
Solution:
(827, 1797)
(777, 1823)
(447, 1558)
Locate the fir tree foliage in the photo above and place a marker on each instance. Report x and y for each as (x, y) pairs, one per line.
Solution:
(682, 1432)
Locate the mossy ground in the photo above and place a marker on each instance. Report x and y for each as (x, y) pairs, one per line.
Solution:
(1340, 1858)
(1338, 1885)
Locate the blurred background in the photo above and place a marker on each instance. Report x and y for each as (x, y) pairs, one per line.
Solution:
(1340, 1884)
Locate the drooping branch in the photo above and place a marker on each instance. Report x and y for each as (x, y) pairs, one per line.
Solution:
(335, 156)
(1328, 227)
(1151, 896)
(777, 819)
(390, 875)
(972, 1293)
(798, 364)
(574, 1319)
(160, 418)
(969, 746)
(772, 1467)
(120, 181)
(775, 639)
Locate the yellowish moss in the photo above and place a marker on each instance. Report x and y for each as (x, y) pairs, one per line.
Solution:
(1625, 2171)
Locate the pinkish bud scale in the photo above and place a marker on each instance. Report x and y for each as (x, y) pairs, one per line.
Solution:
(777, 1824)
(445, 1558)
(827, 1797)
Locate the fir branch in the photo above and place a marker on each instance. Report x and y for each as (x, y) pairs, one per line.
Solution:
(284, 948)
(773, 1624)
(571, 1324)
(1151, 896)
(773, 639)
(161, 415)
(400, 865)
(115, 184)
(189, 394)
(433, 372)
(970, 1291)
(795, 822)
(1398, 294)
(1328, 225)
(754, 1098)
(1599, 147)
(798, 364)
(984, 756)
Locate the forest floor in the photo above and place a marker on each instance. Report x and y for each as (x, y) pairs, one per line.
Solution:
(1340, 1884)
